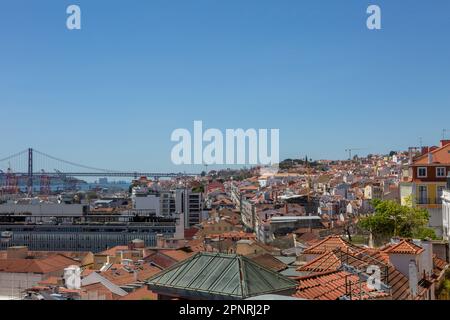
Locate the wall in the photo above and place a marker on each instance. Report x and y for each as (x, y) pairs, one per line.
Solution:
(401, 262)
(12, 284)
(57, 209)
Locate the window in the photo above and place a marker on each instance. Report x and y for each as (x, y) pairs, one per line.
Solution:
(423, 195)
(422, 172)
(440, 192)
(440, 172)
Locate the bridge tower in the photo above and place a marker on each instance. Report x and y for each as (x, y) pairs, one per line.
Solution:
(30, 171)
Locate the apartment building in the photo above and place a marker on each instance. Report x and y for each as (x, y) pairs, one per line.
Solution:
(425, 180)
(190, 205)
(446, 210)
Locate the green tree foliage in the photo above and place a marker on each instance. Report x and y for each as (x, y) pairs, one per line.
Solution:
(199, 189)
(443, 291)
(392, 219)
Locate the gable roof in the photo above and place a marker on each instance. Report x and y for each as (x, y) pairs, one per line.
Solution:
(222, 276)
(330, 243)
(439, 156)
(325, 262)
(122, 276)
(333, 285)
(269, 261)
(332, 261)
(404, 247)
(48, 264)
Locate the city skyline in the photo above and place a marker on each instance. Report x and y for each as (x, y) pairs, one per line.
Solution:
(109, 95)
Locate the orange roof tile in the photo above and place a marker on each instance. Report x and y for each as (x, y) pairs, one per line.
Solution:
(330, 243)
(325, 262)
(440, 156)
(123, 277)
(112, 251)
(404, 247)
(333, 285)
(177, 255)
(42, 265)
(269, 261)
(140, 294)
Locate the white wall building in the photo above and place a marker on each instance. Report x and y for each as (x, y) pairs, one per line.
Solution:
(446, 214)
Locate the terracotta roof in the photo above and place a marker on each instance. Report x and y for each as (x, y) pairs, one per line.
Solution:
(404, 247)
(100, 289)
(270, 262)
(439, 266)
(440, 156)
(328, 262)
(112, 251)
(140, 294)
(161, 260)
(178, 255)
(190, 233)
(234, 234)
(325, 262)
(330, 243)
(123, 277)
(42, 265)
(333, 285)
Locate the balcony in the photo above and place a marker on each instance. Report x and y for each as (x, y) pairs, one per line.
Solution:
(426, 201)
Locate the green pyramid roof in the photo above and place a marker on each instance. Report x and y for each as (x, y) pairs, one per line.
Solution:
(218, 275)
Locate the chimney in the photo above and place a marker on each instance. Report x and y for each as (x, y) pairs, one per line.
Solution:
(444, 143)
(425, 150)
(72, 277)
(413, 278)
(160, 243)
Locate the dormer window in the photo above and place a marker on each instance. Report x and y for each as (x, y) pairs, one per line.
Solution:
(440, 172)
(422, 172)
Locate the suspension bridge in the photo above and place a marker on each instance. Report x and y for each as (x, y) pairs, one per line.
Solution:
(30, 165)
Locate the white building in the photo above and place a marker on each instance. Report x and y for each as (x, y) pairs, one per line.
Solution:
(446, 214)
(142, 199)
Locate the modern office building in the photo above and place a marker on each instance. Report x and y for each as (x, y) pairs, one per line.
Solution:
(190, 204)
(85, 233)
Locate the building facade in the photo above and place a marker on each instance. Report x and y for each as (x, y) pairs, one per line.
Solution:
(425, 180)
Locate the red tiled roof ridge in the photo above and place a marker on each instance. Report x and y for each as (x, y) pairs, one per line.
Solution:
(405, 247)
(326, 255)
(316, 248)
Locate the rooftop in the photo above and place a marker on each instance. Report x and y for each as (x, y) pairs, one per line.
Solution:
(219, 276)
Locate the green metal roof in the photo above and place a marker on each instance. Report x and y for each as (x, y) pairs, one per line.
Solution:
(218, 275)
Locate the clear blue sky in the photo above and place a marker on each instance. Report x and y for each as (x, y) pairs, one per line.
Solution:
(110, 94)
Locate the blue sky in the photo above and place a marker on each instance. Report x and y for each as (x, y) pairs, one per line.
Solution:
(110, 95)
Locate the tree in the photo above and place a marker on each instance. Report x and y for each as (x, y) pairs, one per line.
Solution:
(391, 219)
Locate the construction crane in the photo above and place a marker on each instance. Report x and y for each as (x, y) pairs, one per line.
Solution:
(349, 150)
